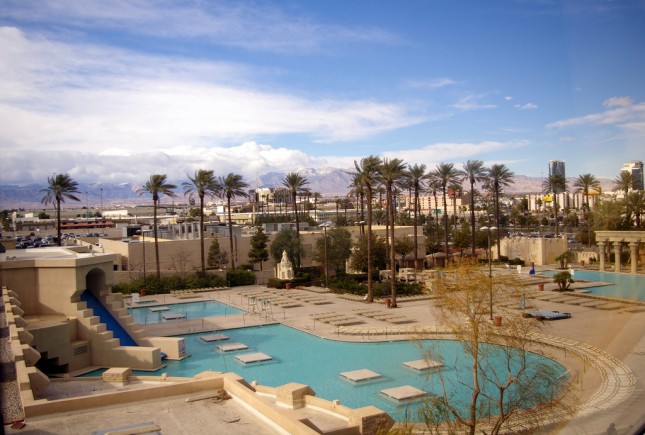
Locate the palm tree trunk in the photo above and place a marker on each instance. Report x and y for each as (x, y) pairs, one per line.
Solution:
(390, 211)
(370, 288)
(201, 233)
(445, 222)
(472, 217)
(58, 228)
(154, 222)
(497, 221)
(416, 224)
(230, 232)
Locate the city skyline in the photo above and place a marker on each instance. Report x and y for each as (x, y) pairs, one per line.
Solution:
(115, 91)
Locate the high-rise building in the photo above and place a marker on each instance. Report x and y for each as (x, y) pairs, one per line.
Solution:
(556, 167)
(635, 167)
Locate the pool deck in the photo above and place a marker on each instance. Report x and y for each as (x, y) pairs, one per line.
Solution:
(603, 343)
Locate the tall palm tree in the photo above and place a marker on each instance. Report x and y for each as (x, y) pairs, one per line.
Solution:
(295, 183)
(358, 190)
(202, 184)
(475, 172)
(583, 184)
(231, 186)
(316, 196)
(157, 185)
(367, 172)
(499, 176)
(59, 187)
(416, 175)
(391, 173)
(624, 182)
(635, 205)
(456, 189)
(554, 184)
(445, 174)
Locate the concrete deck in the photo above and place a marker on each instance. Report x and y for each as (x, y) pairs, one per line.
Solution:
(605, 349)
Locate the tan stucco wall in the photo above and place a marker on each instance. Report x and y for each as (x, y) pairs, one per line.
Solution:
(131, 254)
(47, 280)
(538, 250)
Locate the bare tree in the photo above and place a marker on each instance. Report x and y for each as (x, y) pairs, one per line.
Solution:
(510, 384)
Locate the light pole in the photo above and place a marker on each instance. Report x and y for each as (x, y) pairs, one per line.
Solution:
(324, 227)
(490, 266)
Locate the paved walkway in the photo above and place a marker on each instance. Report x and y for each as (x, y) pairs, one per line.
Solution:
(604, 348)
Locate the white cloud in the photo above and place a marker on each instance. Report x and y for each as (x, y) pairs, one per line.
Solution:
(619, 113)
(527, 106)
(508, 98)
(431, 84)
(252, 26)
(85, 97)
(618, 101)
(433, 154)
(473, 102)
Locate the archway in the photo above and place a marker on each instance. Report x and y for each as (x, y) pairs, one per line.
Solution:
(95, 281)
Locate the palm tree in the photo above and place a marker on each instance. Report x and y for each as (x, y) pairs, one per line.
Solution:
(445, 174)
(455, 189)
(554, 184)
(59, 187)
(157, 185)
(367, 172)
(316, 196)
(295, 183)
(475, 172)
(391, 172)
(623, 182)
(635, 204)
(358, 190)
(202, 184)
(230, 187)
(499, 176)
(583, 184)
(433, 187)
(416, 174)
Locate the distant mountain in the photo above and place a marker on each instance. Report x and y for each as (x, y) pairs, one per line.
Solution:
(327, 181)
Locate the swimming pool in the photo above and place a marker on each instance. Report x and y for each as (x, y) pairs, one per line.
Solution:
(627, 286)
(189, 310)
(304, 358)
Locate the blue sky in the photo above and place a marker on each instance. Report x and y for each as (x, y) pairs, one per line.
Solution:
(113, 91)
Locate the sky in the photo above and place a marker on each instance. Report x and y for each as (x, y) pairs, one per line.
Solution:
(116, 90)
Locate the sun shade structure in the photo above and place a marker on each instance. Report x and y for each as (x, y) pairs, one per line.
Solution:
(157, 309)
(423, 364)
(405, 392)
(173, 316)
(360, 375)
(214, 337)
(250, 358)
(232, 347)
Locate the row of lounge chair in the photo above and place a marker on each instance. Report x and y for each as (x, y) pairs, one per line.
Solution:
(380, 315)
(336, 319)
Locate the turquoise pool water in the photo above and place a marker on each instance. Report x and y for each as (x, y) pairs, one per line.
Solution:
(626, 286)
(304, 358)
(191, 310)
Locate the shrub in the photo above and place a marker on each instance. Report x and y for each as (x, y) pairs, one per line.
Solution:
(240, 277)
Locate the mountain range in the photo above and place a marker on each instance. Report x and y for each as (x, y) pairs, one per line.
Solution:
(327, 181)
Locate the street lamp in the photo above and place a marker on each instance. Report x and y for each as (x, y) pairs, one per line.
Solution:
(324, 227)
(490, 266)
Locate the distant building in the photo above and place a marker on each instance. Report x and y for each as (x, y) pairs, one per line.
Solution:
(635, 167)
(556, 167)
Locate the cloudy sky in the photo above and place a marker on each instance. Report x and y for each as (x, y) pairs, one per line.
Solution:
(116, 90)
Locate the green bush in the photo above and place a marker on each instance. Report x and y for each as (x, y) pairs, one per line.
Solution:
(503, 258)
(153, 286)
(240, 277)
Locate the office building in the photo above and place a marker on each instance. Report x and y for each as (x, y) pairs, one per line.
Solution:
(556, 167)
(635, 167)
